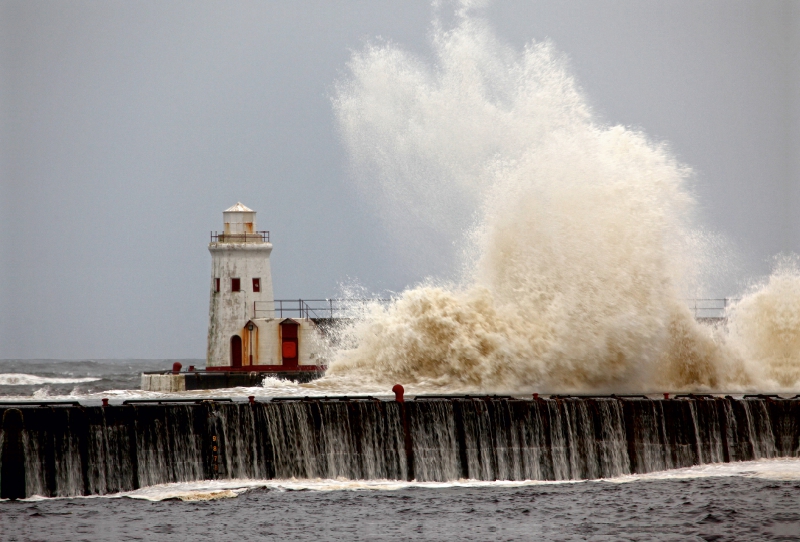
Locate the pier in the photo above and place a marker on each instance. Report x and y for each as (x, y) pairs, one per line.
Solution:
(65, 449)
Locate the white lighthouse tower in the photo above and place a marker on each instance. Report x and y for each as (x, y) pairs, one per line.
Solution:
(241, 281)
(249, 338)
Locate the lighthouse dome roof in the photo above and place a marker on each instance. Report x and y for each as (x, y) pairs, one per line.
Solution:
(238, 208)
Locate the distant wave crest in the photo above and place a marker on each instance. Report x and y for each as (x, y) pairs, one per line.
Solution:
(22, 379)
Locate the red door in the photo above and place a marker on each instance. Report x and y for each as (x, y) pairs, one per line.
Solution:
(236, 351)
(289, 350)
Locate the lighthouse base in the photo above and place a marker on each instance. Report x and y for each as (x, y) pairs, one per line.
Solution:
(169, 382)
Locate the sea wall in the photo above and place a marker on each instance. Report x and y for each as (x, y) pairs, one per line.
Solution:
(78, 450)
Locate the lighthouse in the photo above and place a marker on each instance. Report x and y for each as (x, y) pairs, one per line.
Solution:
(241, 281)
(249, 338)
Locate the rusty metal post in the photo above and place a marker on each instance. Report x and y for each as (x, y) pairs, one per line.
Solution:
(398, 393)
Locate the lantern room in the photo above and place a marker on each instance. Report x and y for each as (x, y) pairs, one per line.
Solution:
(238, 220)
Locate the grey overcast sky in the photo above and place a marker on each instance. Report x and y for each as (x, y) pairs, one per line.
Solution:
(127, 127)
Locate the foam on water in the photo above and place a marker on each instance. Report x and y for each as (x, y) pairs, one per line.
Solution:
(767, 469)
(578, 239)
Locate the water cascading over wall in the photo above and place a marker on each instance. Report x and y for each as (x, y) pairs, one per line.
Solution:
(65, 451)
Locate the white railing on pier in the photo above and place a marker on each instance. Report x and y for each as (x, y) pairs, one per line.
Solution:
(316, 308)
(711, 308)
(715, 308)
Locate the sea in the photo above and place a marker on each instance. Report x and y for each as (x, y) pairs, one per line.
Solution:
(754, 500)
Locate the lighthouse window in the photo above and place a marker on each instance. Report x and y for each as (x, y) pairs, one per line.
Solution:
(256, 285)
(216, 285)
(236, 285)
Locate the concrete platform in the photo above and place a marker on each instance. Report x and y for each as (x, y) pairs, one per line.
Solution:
(168, 382)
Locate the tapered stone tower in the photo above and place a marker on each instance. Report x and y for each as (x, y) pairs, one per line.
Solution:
(241, 280)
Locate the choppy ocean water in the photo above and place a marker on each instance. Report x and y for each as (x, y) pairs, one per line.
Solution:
(757, 500)
(117, 380)
(44, 378)
(695, 506)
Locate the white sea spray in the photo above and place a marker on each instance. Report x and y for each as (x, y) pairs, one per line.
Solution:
(578, 239)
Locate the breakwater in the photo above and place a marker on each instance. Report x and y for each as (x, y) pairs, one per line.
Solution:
(65, 450)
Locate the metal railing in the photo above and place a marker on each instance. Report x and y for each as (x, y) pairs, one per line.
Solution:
(315, 308)
(354, 307)
(222, 237)
(711, 308)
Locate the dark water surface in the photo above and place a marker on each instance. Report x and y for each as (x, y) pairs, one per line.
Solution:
(729, 508)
